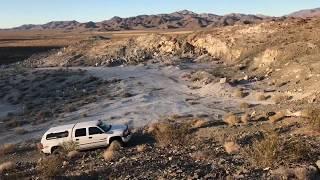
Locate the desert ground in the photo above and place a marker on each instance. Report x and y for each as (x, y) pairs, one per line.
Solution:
(236, 102)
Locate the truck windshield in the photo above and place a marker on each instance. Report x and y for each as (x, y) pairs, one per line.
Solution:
(105, 127)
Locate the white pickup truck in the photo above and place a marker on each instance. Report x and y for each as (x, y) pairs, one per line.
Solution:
(87, 135)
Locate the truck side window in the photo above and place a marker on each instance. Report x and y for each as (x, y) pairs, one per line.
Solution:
(94, 130)
(80, 132)
(57, 135)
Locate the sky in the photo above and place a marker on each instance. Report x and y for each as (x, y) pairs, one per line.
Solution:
(17, 12)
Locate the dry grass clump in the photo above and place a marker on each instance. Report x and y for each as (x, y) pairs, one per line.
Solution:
(114, 146)
(239, 93)
(231, 119)
(277, 117)
(314, 116)
(199, 123)
(264, 153)
(272, 150)
(167, 134)
(7, 149)
(110, 155)
(141, 148)
(7, 166)
(245, 118)
(69, 146)
(261, 97)
(50, 166)
(20, 131)
(73, 154)
(200, 155)
(244, 105)
(280, 98)
(231, 147)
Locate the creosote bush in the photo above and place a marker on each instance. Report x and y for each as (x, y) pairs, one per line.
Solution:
(50, 166)
(7, 149)
(314, 116)
(231, 119)
(270, 151)
(167, 134)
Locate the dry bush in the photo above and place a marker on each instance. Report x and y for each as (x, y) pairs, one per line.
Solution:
(314, 116)
(73, 154)
(231, 119)
(277, 117)
(7, 166)
(141, 148)
(239, 93)
(114, 146)
(260, 97)
(245, 118)
(7, 149)
(231, 147)
(20, 131)
(69, 146)
(50, 166)
(200, 156)
(199, 123)
(110, 155)
(264, 153)
(280, 98)
(244, 105)
(168, 134)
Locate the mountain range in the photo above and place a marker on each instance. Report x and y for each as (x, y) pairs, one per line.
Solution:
(181, 19)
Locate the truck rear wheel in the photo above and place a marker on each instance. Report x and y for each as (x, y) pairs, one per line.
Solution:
(57, 150)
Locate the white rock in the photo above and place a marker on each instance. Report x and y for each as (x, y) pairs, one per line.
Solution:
(318, 164)
(223, 80)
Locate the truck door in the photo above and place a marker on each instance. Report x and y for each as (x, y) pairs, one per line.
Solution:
(80, 136)
(98, 138)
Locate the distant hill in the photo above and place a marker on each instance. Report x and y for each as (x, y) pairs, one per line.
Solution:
(306, 13)
(180, 19)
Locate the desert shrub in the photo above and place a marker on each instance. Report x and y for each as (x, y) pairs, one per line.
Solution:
(73, 154)
(168, 134)
(231, 147)
(198, 123)
(70, 108)
(244, 105)
(13, 123)
(260, 97)
(7, 166)
(141, 148)
(231, 119)
(20, 130)
(50, 166)
(264, 153)
(69, 146)
(200, 155)
(239, 93)
(277, 117)
(271, 150)
(314, 117)
(245, 118)
(114, 146)
(7, 149)
(280, 98)
(110, 155)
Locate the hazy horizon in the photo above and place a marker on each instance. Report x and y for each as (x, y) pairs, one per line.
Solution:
(18, 12)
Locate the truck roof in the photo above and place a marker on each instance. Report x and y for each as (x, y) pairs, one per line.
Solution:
(71, 126)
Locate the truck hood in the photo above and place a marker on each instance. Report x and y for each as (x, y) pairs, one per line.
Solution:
(117, 129)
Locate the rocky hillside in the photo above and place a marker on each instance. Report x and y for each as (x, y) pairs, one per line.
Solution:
(306, 13)
(180, 19)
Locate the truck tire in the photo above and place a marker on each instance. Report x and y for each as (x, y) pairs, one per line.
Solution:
(57, 150)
